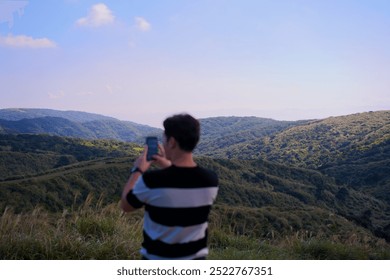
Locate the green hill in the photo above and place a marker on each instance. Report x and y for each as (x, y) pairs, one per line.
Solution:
(223, 133)
(354, 149)
(72, 124)
(72, 169)
(299, 187)
(317, 143)
(17, 114)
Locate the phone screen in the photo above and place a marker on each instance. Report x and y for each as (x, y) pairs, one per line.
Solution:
(152, 143)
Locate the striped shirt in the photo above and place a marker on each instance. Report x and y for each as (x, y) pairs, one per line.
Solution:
(177, 204)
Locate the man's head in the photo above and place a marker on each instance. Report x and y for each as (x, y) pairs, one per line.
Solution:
(185, 129)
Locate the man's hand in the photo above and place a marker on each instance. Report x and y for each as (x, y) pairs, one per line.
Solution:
(142, 163)
(161, 160)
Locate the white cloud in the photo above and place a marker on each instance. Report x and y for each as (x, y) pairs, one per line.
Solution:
(22, 41)
(8, 8)
(142, 24)
(98, 15)
(58, 95)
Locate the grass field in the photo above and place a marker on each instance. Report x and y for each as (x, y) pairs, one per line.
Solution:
(96, 231)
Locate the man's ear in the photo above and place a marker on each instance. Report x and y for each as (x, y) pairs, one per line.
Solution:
(172, 142)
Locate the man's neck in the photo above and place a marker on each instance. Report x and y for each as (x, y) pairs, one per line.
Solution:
(184, 160)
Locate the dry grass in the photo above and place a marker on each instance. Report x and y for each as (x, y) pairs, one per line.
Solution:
(96, 231)
(89, 232)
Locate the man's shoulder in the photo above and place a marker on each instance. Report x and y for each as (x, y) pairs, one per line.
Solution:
(208, 174)
(181, 177)
(159, 172)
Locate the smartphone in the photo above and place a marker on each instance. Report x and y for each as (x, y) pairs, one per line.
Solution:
(152, 143)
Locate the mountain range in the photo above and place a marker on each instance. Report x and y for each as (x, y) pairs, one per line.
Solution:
(72, 124)
(329, 176)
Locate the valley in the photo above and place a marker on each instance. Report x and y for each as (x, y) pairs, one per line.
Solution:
(323, 182)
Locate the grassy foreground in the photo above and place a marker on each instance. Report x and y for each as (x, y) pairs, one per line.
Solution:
(95, 231)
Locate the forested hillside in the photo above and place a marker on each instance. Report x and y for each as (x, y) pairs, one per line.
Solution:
(72, 124)
(330, 141)
(354, 149)
(17, 114)
(308, 143)
(221, 133)
(58, 172)
(323, 180)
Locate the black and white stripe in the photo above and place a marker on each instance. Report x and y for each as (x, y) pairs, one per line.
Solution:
(177, 204)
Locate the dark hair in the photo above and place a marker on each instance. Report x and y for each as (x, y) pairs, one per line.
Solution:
(185, 129)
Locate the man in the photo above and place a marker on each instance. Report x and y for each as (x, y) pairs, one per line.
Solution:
(177, 198)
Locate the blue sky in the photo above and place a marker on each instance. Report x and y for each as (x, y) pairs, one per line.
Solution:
(144, 60)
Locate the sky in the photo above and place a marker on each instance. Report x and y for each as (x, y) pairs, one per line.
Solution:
(144, 60)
